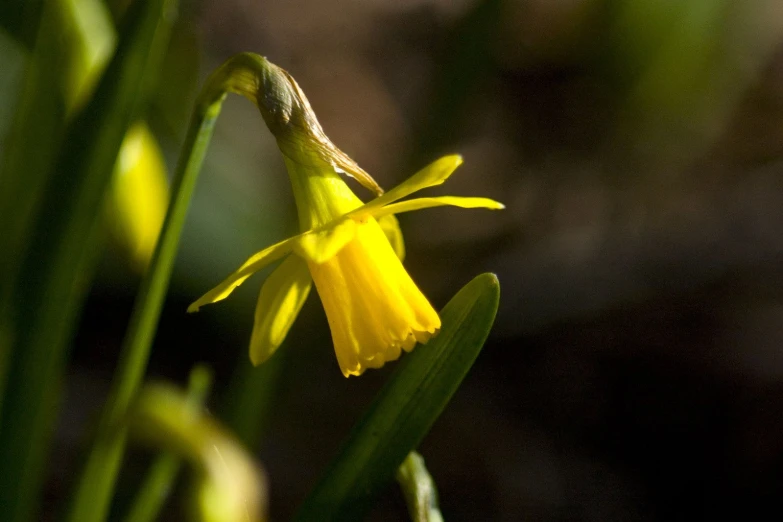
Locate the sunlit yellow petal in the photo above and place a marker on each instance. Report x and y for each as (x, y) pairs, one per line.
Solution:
(374, 308)
(281, 298)
(323, 244)
(454, 201)
(255, 263)
(391, 227)
(433, 174)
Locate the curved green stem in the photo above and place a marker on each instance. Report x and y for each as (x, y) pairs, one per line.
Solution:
(241, 74)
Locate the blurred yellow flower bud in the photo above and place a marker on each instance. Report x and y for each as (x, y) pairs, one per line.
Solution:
(139, 194)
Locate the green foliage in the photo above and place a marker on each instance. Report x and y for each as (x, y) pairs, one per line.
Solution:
(406, 407)
(228, 485)
(57, 264)
(159, 482)
(51, 222)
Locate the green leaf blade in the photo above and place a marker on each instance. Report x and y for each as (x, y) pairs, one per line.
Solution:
(406, 407)
(49, 291)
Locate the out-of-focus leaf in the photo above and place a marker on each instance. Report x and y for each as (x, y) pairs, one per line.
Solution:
(88, 37)
(464, 68)
(173, 100)
(406, 407)
(159, 481)
(75, 42)
(684, 66)
(229, 487)
(39, 120)
(58, 262)
(20, 18)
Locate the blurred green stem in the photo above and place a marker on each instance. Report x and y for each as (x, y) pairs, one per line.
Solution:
(160, 479)
(241, 74)
(58, 261)
(419, 489)
(247, 406)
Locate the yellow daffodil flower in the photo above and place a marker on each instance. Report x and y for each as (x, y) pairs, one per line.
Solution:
(374, 308)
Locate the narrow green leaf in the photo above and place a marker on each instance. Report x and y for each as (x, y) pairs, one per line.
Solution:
(39, 119)
(68, 54)
(73, 47)
(406, 407)
(60, 258)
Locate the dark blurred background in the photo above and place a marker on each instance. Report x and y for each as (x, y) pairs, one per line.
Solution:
(635, 371)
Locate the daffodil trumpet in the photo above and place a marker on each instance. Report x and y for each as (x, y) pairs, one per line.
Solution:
(351, 250)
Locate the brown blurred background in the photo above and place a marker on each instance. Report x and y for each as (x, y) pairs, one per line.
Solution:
(636, 368)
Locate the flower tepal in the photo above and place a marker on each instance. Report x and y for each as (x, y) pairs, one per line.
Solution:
(375, 310)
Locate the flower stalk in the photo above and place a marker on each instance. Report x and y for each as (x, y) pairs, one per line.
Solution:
(96, 483)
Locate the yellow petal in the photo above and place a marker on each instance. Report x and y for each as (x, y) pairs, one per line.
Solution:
(281, 298)
(255, 263)
(391, 227)
(433, 174)
(323, 244)
(454, 201)
(374, 309)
